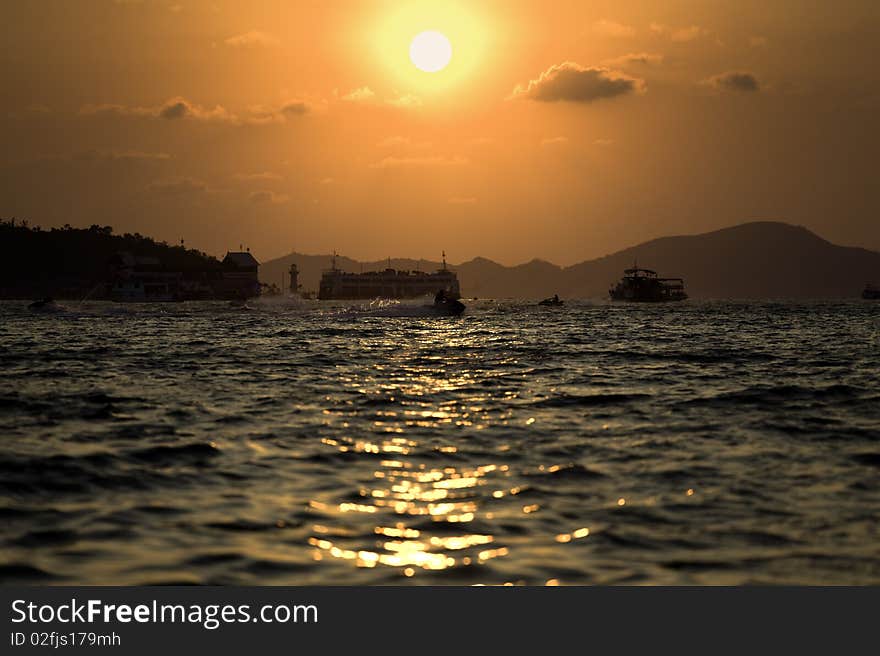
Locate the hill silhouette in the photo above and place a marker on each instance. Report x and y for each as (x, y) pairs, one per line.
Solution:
(763, 259)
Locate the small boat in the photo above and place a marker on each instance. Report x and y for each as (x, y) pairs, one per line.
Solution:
(553, 301)
(44, 304)
(871, 292)
(644, 286)
(448, 308)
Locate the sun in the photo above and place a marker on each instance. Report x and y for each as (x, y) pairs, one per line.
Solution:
(430, 51)
(427, 50)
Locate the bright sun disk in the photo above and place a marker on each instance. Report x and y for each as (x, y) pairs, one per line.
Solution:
(430, 51)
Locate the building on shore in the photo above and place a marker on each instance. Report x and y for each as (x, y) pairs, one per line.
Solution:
(137, 279)
(239, 277)
(142, 279)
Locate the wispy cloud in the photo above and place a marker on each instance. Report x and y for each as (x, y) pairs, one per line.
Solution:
(259, 114)
(635, 58)
(266, 197)
(418, 162)
(361, 94)
(173, 109)
(179, 108)
(96, 155)
(253, 39)
(611, 28)
(130, 155)
(554, 141)
(679, 34)
(263, 176)
(178, 187)
(405, 101)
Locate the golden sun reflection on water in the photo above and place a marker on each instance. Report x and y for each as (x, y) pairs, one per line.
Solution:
(417, 511)
(404, 493)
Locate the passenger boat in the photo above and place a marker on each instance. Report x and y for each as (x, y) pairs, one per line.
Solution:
(871, 292)
(644, 286)
(390, 283)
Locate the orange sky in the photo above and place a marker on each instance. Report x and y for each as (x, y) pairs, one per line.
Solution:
(560, 130)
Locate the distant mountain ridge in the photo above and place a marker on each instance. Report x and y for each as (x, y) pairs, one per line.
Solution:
(763, 259)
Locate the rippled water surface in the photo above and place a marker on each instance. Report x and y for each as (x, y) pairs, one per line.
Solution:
(300, 443)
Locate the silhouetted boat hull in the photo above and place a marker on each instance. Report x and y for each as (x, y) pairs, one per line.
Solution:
(871, 292)
(449, 308)
(552, 302)
(44, 305)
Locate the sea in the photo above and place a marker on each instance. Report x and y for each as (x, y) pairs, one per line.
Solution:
(291, 442)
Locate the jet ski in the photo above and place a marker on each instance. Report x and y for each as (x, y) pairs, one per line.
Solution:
(553, 301)
(448, 307)
(44, 304)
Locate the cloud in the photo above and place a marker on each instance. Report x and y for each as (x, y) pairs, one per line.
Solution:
(758, 41)
(361, 94)
(180, 108)
(574, 83)
(418, 162)
(115, 110)
(462, 200)
(403, 142)
(641, 58)
(95, 155)
(262, 176)
(178, 187)
(132, 155)
(253, 39)
(260, 115)
(603, 142)
(679, 34)
(173, 109)
(554, 141)
(614, 29)
(735, 81)
(294, 108)
(405, 101)
(365, 95)
(264, 196)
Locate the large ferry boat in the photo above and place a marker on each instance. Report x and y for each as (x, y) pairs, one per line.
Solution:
(871, 292)
(643, 285)
(390, 283)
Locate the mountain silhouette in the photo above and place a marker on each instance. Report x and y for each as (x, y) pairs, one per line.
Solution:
(763, 259)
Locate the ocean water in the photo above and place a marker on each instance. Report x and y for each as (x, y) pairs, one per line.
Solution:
(291, 442)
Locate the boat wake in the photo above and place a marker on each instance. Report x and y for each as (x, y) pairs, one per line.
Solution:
(413, 307)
